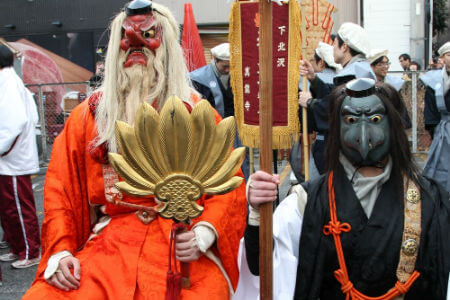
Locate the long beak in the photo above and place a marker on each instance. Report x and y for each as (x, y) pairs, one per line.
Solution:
(364, 141)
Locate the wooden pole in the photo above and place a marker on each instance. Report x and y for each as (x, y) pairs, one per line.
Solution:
(305, 136)
(184, 269)
(265, 126)
(252, 160)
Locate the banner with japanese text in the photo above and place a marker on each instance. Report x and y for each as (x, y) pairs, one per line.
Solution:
(244, 61)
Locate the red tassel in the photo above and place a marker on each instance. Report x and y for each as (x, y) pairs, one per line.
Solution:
(173, 278)
(173, 286)
(94, 99)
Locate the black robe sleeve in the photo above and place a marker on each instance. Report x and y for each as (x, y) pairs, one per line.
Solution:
(318, 113)
(406, 119)
(251, 239)
(431, 114)
(205, 92)
(319, 89)
(311, 260)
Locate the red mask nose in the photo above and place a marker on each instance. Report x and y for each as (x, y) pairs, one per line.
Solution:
(135, 39)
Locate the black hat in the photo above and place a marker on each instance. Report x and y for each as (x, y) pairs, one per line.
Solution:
(359, 88)
(138, 7)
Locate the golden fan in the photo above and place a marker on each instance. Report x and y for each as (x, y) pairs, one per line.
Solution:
(177, 156)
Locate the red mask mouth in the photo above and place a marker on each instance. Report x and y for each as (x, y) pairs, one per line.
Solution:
(136, 57)
(139, 32)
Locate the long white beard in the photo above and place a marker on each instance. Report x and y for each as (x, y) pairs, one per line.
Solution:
(135, 84)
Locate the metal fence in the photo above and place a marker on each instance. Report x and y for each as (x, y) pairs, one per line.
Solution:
(54, 102)
(413, 93)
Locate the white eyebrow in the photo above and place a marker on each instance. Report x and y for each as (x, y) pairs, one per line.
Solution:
(148, 27)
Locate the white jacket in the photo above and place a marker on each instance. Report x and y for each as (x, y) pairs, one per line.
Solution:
(18, 118)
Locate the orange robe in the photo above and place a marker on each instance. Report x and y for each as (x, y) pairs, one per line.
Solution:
(128, 259)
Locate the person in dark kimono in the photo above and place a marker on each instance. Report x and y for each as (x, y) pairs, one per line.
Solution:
(437, 119)
(320, 83)
(213, 81)
(350, 48)
(372, 226)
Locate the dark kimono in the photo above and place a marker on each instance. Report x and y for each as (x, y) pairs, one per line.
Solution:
(437, 121)
(211, 88)
(372, 247)
(318, 119)
(431, 113)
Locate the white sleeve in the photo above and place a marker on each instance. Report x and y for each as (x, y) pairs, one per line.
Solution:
(32, 107)
(205, 235)
(248, 284)
(287, 225)
(53, 263)
(12, 115)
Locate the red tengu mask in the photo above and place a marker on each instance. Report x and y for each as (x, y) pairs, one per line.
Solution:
(139, 32)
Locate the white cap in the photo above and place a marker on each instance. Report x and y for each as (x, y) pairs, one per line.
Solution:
(444, 49)
(376, 54)
(221, 51)
(355, 37)
(325, 52)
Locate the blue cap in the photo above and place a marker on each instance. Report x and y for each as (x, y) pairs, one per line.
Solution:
(138, 7)
(361, 87)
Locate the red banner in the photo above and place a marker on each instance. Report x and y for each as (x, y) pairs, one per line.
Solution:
(250, 66)
(244, 39)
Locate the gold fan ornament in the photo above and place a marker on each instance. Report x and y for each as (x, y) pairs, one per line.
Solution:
(177, 156)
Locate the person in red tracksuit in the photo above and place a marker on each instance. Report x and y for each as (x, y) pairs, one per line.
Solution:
(18, 160)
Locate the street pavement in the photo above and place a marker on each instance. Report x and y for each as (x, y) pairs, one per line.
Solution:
(17, 281)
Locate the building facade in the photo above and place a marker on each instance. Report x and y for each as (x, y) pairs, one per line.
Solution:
(76, 29)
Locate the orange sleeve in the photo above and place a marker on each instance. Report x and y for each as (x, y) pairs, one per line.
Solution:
(227, 213)
(66, 223)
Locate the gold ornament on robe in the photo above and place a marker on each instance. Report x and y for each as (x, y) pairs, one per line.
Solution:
(177, 156)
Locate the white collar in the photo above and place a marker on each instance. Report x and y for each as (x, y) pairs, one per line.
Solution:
(366, 189)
